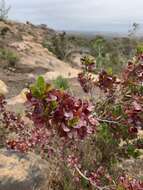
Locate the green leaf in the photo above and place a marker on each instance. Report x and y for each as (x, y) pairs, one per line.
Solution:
(117, 110)
(120, 187)
(35, 91)
(140, 49)
(105, 133)
(132, 151)
(40, 84)
(73, 122)
(110, 70)
(39, 88)
(53, 105)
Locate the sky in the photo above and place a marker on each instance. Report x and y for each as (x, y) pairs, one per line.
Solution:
(79, 15)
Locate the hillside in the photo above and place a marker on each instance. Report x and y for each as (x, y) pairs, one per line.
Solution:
(25, 42)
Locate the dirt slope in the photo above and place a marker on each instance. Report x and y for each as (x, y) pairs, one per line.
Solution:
(26, 40)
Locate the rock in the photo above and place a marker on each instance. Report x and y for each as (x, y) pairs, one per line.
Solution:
(132, 167)
(19, 171)
(19, 46)
(3, 88)
(19, 99)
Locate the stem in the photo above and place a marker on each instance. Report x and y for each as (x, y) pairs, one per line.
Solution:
(107, 121)
(87, 179)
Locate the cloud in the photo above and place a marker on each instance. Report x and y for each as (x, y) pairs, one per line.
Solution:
(78, 14)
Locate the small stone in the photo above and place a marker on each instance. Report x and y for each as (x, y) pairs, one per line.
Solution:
(3, 88)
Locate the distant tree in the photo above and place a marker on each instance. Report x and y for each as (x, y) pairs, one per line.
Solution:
(132, 32)
(98, 45)
(98, 49)
(58, 45)
(4, 10)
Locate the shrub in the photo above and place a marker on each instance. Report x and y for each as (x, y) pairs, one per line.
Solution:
(113, 52)
(4, 31)
(9, 122)
(9, 56)
(120, 110)
(61, 83)
(64, 125)
(58, 45)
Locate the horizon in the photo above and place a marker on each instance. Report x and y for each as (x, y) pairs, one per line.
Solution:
(100, 15)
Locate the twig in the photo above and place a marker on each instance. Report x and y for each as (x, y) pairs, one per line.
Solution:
(107, 121)
(87, 179)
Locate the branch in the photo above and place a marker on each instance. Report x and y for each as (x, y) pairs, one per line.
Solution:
(107, 121)
(93, 184)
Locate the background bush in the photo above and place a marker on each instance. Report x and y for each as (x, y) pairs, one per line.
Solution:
(10, 56)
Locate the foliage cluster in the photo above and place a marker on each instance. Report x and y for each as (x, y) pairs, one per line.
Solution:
(10, 56)
(61, 83)
(108, 51)
(103, 132)
(57, 44)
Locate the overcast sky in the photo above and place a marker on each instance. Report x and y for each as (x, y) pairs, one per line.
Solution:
(88, 15)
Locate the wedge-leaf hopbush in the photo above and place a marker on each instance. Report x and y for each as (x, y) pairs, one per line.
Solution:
(123, 98)
(115, 122)
(54, 112)
(120, 112)
(51, 108)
